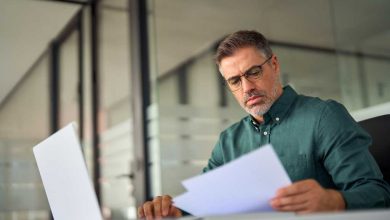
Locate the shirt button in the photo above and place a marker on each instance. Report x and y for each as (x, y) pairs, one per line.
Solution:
(277, 118)
(265, 133)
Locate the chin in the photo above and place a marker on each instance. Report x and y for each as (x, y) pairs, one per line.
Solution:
(258, 110)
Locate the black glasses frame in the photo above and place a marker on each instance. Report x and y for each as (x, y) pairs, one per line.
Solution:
(247, 76)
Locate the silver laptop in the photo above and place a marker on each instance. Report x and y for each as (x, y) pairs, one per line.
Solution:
(65, 176)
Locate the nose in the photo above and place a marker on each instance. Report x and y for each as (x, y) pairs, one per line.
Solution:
(247, 85)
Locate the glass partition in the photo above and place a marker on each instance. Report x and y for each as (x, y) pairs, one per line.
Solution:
(363, 44)
(115, 115)
(24, 122)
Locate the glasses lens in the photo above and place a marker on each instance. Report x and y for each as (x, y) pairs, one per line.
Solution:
(234, 83)
(254, 73)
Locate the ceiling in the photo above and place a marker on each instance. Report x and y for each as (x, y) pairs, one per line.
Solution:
(184, 28)
(26, 29)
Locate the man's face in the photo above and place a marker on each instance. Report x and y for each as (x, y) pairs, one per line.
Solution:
(255, 96)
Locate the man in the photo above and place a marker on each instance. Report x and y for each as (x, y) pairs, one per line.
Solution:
(322, 148)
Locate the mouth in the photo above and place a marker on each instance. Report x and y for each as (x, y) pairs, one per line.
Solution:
(254, 100)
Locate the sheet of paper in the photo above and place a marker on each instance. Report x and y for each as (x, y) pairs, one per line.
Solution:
(65, 177)
(241, 186)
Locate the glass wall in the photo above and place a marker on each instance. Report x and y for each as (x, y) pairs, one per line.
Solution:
(115, 114)
(24, 122)
(324, 48)
(364, 55)
(25, 118)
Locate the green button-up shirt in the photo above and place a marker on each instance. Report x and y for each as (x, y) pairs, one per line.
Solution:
(314, 139)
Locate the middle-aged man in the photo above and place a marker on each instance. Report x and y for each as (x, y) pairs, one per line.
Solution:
(322, 148)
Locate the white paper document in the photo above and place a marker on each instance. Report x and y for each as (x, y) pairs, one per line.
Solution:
(65, 177)
(242, 186)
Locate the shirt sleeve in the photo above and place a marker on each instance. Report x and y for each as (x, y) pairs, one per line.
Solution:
(216, 158)
(343, 147)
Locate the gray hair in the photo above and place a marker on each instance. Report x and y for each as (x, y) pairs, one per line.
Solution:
(242, 39)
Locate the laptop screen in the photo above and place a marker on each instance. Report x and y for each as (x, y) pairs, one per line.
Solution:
(65, 176)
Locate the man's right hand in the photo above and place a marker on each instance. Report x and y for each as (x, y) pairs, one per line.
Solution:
(160, 207)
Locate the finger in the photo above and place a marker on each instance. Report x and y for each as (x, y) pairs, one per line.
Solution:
(295, 188)
(166, 205)
(289, 200)
(157, 206)
(148, 210)
(299, 208)
(175, 212)
(141, 212)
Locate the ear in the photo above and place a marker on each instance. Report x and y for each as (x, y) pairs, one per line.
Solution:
(275, 63)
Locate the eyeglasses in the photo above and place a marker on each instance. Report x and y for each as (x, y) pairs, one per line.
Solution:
(252, 75)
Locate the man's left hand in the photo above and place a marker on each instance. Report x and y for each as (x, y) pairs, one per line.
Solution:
(307, 196)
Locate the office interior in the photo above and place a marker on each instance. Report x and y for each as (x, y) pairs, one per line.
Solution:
(140, 80)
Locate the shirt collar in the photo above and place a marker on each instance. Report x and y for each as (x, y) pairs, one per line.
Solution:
(281, 106)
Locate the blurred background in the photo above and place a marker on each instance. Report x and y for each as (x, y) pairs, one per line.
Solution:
(139, 79)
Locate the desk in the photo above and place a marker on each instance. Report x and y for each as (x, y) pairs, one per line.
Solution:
(383, 214)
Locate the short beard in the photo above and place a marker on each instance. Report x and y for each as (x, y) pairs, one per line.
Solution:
(263, 107)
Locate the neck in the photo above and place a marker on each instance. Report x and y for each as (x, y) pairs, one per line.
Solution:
(258, 119)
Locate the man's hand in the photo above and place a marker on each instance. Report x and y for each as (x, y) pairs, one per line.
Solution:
(160, 207)
(307, 196)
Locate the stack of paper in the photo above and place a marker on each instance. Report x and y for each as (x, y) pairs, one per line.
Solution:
(241, 186)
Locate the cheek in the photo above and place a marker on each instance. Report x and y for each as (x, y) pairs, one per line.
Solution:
(266, 84)
(239, 97)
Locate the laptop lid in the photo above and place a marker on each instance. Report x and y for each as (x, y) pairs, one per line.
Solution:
(64, 174)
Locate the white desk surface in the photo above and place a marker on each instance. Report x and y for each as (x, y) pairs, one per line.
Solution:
(383, 214)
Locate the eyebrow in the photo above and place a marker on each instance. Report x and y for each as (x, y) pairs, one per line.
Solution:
(246, 71)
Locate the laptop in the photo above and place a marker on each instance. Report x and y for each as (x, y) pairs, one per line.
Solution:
(65, 178)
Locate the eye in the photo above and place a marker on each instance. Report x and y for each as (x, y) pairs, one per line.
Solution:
(234, 81)
(254, 72)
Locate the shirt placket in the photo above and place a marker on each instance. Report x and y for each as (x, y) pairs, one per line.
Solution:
(266, 133)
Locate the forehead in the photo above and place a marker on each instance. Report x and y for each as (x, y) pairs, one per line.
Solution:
(240, 61)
